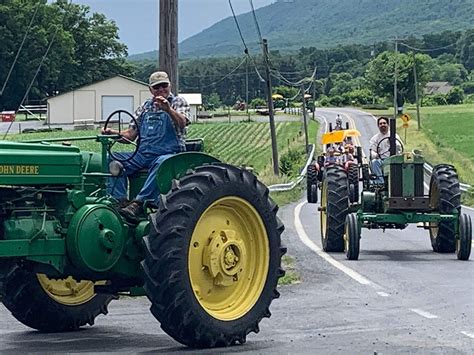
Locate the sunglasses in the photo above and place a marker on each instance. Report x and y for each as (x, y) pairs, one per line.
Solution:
(160, 86)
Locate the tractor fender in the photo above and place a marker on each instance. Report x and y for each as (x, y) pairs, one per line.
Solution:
(176, 166)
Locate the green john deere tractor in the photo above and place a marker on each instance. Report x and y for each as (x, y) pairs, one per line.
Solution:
(396, 203)
(208, 257)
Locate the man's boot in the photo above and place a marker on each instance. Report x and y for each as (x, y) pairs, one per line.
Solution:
(133, 211)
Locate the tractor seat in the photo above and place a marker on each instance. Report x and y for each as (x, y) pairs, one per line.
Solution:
(194, 145)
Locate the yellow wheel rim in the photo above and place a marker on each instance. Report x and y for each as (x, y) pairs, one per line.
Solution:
(228, 258)
(67, 291)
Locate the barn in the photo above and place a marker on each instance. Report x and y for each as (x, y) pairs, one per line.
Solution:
(95, 102)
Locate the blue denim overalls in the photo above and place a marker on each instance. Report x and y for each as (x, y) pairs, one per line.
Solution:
(158, 141)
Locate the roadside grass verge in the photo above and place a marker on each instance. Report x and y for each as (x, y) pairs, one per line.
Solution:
(291, 275)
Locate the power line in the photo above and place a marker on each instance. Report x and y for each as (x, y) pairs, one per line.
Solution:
(275, 73)
(428, 49)
(246, 50)
(21, 47)
(223, 78)
(256, 22)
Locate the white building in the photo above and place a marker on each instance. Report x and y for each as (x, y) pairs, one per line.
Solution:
(95, 102)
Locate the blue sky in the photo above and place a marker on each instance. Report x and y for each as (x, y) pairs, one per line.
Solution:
(138, 19)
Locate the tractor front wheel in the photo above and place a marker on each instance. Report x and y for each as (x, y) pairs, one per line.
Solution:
(334, 208)
(464, 243)
(352, 237)
(213, 257)
(353, 180)
(445, 198)
(312, 184)
(51, 305)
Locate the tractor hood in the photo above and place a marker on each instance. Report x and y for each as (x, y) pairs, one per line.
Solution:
(39, 164)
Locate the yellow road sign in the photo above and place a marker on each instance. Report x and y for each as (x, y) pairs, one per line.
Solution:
(405, 118)
(405, 125)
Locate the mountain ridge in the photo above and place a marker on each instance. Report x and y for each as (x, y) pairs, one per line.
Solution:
(289, 25)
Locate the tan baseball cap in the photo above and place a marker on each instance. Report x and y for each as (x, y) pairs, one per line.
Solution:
(158, 77)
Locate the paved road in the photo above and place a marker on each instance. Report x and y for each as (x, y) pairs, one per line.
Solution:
(398, 297)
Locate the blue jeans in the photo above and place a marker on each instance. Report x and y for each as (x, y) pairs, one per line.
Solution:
(376, 165)
(118, 186)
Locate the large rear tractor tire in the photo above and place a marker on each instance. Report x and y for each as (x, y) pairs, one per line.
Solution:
(334, 208)
(464, 243)
(445, 197)
(51, 305)
(213, 257)
(312, 184)
(353, 180)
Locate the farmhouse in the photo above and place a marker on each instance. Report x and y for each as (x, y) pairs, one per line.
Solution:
(95, 102)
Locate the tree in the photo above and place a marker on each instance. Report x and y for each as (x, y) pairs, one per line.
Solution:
(465, 51)
(453, 73)
(380, 74)
(84, 48)
(213, 101)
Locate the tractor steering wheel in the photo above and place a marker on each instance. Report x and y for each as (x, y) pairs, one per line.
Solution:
(136, 143)
(384, 139)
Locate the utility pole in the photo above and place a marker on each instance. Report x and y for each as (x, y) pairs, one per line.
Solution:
(416, 93)
(247, 86)
(395, 80)
(305, 120)
(314, 98)
(168, 42)
(393, 122)
(276, 169)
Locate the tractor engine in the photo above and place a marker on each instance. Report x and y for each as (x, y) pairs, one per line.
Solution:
(404, 187)
(48, 203)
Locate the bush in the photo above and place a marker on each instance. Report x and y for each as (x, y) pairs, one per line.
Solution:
(324, 101)
(290, 162)
(358, 96)
(468, 87)
(337, 100)
(469, 99)
(455, 96)
(258, 102)
(375, 107)
(434, 100)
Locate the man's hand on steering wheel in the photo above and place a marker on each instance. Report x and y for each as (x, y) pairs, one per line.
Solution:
(128, 136)
(380, 154)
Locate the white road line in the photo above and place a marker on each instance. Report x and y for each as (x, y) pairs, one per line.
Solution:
(424, 313)
(305, 239)
(383, 294)
(470, 335)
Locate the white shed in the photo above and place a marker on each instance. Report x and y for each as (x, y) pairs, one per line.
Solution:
(194, 101)
(95, 102)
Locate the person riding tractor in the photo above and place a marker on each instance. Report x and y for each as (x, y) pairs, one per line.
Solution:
(340, 151)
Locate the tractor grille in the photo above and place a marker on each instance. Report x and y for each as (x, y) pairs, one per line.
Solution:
(419, 176)
(396, 183)
(396, 180)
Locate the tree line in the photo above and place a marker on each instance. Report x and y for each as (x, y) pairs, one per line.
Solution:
(85, 48)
